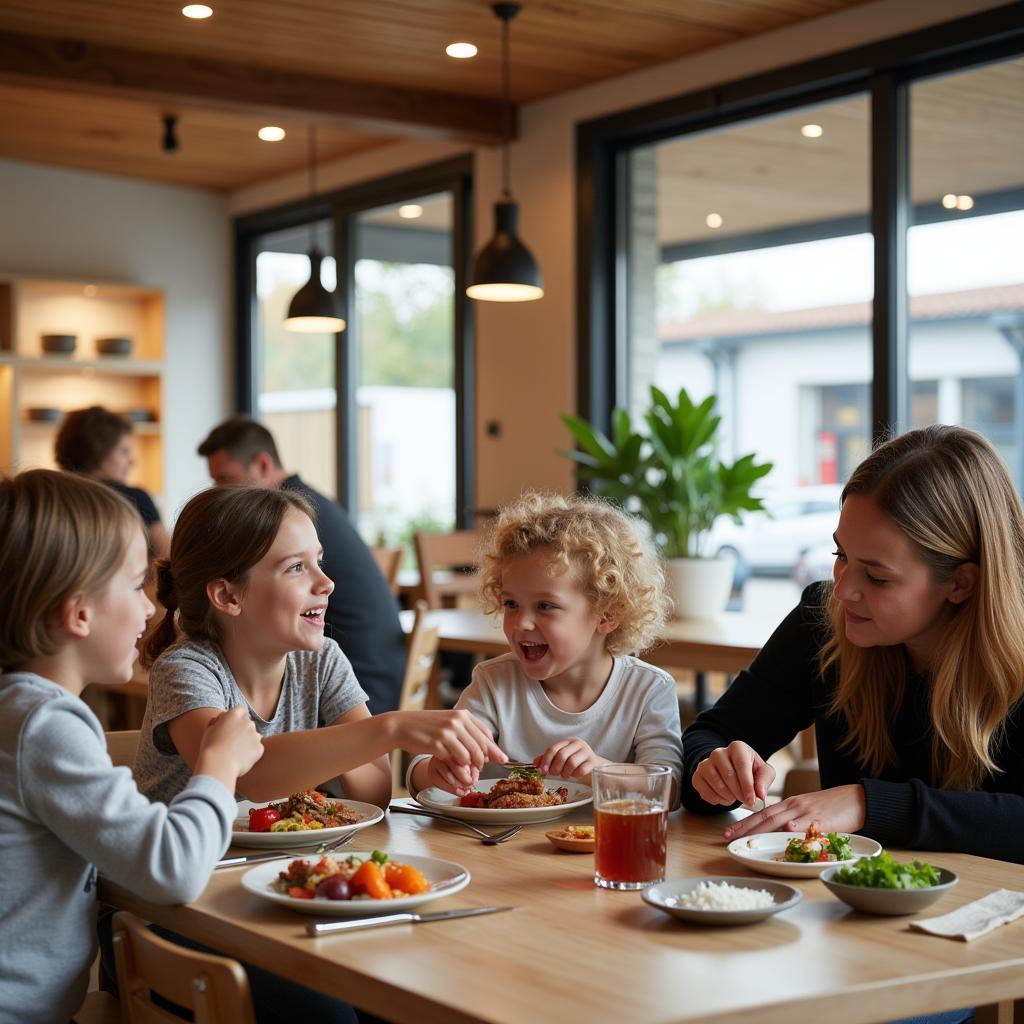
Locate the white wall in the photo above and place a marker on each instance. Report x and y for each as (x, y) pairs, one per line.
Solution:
(61, 223)
(526, 352)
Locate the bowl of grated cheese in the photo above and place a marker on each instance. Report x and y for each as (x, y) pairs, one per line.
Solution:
(722, 900)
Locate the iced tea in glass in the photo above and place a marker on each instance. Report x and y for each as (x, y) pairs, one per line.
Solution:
(631, 804)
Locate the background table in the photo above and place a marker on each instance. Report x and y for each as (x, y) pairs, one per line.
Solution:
(572, 952)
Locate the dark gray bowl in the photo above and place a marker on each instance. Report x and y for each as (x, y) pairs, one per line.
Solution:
(665, 896)
(889, 901)
(114, 346)
(58, 344)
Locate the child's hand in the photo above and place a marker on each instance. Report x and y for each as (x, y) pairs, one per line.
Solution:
(568, 759)
(456, 737)
(232, 738)
(454, 778)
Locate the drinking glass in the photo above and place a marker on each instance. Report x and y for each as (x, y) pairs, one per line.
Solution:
(631, 804)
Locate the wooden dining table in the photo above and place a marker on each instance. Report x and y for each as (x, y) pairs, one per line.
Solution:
(570, 952)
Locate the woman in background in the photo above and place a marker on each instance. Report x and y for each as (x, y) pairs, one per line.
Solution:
(97, 442)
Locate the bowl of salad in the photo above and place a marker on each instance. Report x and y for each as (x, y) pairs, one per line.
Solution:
(883, 885)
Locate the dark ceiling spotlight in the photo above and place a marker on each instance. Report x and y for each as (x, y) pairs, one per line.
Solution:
(170, 140)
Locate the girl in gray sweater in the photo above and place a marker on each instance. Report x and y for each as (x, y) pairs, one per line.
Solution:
(73, 560)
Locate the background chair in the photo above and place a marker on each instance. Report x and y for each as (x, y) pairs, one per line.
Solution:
(416, 686)
(389, 561)
(448, 563)
(122, 746)
(214, 988)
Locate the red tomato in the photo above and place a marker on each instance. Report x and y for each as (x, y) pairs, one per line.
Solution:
(299, 893)
(261, 818)
(472, 800)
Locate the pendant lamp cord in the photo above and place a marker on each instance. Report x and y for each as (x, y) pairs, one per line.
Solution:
(506, 99)
(312, 180)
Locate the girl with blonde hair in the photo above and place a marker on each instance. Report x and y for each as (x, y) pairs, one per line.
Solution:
(580, 589)
(910, 665)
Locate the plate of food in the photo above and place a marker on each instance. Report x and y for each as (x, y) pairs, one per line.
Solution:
(356, 885)
(573, 838)
(722, 900)
(882, 885)
(792, 855)
(524, 797)
(302, 819)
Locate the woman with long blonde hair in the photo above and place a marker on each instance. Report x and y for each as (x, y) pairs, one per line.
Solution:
(910, 665)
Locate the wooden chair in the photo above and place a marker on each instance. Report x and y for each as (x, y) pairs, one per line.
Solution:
(801, 778)
(389, 561)
(214, 988)
(451, 555)
(122, 746)
(419, 671)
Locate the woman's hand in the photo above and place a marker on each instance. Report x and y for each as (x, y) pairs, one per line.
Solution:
(456, 737)
(568, 759)
(840, 809)
(733, 774)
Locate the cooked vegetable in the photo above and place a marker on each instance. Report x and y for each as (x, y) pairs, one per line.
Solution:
(524, 772)
(333, 888)
(262, 818)
(815, 847)
(369, 879)
(883, 872)
(406, 879)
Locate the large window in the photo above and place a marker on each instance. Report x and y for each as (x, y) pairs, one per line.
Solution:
(832, 251)
(378, 416)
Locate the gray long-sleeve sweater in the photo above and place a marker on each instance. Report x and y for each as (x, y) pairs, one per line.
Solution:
(65, 811)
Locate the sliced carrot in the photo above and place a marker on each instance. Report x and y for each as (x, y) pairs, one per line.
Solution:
(370, 880)
(405, 878)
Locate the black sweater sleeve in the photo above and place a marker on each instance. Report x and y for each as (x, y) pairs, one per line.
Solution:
(767, 704)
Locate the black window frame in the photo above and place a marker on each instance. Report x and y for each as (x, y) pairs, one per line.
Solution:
(884, 72)
(342, 208)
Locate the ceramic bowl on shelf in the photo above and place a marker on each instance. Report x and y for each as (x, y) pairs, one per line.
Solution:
(58, 344)
(43, 414)
(114, 346)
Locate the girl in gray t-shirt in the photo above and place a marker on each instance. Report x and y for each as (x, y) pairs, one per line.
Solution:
(245, 596)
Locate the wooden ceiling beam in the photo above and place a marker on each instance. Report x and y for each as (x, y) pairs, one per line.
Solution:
(170, 79)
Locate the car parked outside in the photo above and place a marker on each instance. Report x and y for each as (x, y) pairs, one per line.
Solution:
(815, 564)
(770, 543)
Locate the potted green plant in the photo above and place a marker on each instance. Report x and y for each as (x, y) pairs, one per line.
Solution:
(670, 474)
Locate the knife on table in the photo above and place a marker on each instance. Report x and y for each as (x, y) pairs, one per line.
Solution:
(233, 862)
(352, 924)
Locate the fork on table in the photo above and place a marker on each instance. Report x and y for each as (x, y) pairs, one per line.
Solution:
(252, 858)
(487, 838)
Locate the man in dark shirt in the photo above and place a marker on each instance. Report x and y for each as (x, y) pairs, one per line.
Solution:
(362, 613)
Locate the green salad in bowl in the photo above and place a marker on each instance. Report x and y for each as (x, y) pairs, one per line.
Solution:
(884, 872)
(883, 885)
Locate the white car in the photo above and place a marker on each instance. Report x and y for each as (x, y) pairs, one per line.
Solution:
(770, 543)
(815, 564)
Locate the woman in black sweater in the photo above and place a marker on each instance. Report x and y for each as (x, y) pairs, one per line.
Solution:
(910, 666)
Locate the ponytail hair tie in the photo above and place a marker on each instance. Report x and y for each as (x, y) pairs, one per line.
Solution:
(166, 592)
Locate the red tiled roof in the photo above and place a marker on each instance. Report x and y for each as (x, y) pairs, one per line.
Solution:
(942, 306)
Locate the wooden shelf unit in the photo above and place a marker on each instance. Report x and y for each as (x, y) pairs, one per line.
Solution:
(31, 378)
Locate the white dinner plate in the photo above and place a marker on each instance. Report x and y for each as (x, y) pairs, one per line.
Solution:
(369, 814)
(761, 853)
(666, 896)
(445, 877)
(447, 803)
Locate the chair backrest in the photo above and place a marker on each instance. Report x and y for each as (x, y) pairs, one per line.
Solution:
(122, 746)
(389, 561)
(214, 988)
(455, 552)
(419, 666)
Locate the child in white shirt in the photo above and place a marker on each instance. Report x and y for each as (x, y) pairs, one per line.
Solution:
(579, 587)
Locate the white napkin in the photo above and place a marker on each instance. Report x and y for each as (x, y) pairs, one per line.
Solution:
(973, 920)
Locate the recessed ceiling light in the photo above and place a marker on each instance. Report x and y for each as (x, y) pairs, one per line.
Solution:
(949, 201)
(714, 220)
(410, 211)
(461, 51)
(964, 202)
(271, 133)
(812, 131)
(197, 11)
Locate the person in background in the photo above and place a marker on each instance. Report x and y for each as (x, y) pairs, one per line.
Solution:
(910, 666)
(72, 562)
(580, 589)
(362, 613)
(98, 443)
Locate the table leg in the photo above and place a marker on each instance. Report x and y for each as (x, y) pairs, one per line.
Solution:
(700, 693)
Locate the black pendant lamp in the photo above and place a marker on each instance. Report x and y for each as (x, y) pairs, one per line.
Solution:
(504, 270)
(313, 309)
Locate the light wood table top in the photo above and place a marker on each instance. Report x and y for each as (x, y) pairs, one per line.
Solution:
(572, 952)
(727, 643)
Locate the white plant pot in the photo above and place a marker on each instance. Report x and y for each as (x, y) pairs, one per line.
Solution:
(699, 587)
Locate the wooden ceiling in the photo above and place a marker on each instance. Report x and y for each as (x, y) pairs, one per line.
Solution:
(84, 83)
